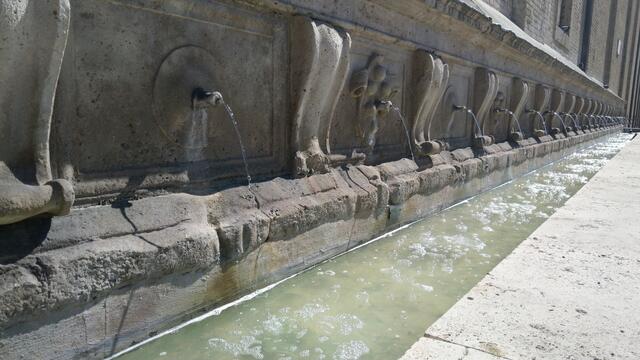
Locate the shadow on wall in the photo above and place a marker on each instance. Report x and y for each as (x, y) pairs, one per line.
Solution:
(20, 239)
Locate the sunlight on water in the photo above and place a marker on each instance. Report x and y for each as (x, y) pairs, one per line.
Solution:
(376, 301)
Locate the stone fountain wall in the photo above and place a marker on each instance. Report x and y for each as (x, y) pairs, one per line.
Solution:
(101, 111)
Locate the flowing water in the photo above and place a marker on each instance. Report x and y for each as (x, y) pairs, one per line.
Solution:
(406, 130)
(475, 120)
(575, 122)
(516, 119)
(544, 123)
(232, 117)
(376, 301)
(555, 114)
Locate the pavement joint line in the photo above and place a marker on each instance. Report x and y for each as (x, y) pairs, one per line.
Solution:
(437, 338)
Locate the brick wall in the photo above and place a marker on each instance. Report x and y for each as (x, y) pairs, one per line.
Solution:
(616, 58)
(504, 6)
(540, 19)
(599, 37)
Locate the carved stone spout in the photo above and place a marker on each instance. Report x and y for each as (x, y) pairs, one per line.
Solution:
(374, 91)
(33, 42)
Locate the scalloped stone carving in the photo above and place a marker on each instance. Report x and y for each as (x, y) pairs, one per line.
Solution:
(320, 63)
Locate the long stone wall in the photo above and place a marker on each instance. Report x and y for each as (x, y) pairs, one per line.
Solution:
(356, 117)
(107, 277)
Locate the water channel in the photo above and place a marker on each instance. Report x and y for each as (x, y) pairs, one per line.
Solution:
(376, 301)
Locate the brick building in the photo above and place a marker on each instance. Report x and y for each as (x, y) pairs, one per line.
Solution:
(600, 36)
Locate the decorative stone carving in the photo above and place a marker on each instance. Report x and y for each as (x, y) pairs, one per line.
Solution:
(580, 104)
(33, 40)
(320, 63)
(579, 111)
(588, 111)
(485, 91)
(542, 98)
(431, 76)
(555, 108)
(596, 114)
(569, 110)
(374, 91)
(519, 97)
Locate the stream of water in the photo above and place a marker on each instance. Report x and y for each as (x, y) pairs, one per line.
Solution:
(376, 301)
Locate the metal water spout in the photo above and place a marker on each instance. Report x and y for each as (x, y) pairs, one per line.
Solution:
(201, 98)
(542, 121)
(479, 138)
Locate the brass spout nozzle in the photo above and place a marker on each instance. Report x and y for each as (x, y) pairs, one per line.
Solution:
(200, 97)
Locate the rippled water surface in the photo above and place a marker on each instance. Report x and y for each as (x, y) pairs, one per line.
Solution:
(374, 302)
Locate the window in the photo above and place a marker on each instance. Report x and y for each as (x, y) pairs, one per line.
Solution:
(564, 16)
(587, 18)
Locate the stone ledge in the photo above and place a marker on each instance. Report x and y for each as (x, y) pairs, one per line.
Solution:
(81, 273)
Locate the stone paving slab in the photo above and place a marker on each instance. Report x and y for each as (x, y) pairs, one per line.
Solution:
(569, 291)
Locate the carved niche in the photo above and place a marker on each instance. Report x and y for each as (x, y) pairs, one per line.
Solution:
(431, 76)
(373, 89)
(320, 54)
(33, 42)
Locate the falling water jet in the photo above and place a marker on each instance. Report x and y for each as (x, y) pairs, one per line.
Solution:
(479, 140)
(544, 122)
(575, 125)
(468, 111)
(406, 130)
(214, 98)
(232, 117)
(514, 135)
(554, 131)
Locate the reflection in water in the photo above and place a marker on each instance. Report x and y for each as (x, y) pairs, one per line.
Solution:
(376, 301)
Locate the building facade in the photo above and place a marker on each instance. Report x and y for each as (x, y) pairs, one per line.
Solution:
(601, 37)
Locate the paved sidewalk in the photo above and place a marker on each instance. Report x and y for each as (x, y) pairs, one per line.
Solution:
(570, 291)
